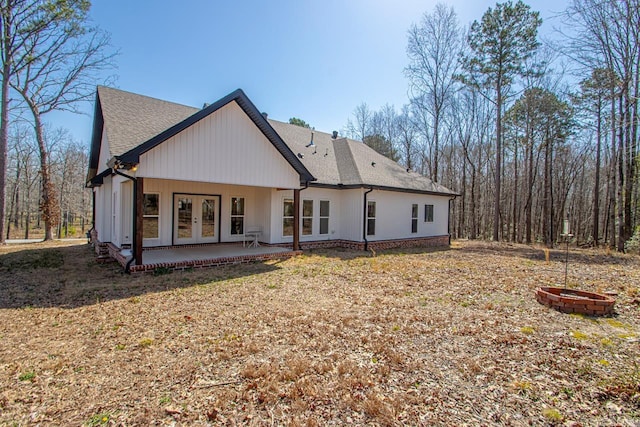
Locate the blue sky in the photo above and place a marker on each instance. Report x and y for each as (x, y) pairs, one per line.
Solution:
(315, 59)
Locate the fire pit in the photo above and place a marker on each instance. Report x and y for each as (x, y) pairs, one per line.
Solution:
(574, 301)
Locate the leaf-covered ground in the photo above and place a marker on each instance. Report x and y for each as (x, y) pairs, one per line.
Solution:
(332, 337)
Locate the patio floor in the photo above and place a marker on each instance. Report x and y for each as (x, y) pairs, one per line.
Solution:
(208, 256)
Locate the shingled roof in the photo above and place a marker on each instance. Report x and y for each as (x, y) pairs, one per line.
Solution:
(135, 123)
(351, 164)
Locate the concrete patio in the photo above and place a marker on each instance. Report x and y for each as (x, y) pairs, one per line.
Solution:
(182, 258)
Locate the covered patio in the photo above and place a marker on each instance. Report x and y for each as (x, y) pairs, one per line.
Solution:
(188, 257)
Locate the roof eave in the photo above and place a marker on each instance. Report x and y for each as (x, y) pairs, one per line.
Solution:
(132, 157)
(383, 188)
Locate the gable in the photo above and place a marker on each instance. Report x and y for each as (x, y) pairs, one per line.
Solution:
(223, 147)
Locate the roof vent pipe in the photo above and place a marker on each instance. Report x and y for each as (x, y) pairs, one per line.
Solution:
(265, 115)
(311, 144)
(335, 134)
(206, 104)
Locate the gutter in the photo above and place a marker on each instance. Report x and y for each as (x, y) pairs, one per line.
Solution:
(127, 268)
(364, 220)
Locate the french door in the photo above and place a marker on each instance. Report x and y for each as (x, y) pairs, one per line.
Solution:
(195, 219)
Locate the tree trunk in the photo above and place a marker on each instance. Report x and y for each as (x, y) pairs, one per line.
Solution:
(436, 142)
(498, 180)
(596, 186)
(48, 201)
(612, 175)
(514, 236)
(4, 134)
(621, 178)
(546, 211)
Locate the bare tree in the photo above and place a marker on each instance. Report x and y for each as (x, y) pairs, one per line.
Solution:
(61, 61)
(433, 49)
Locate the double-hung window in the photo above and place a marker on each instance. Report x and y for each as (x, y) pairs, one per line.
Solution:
(307, 217)
(237, 215)
(371, 218)
(324, 217)
(287, 217)
(151, 216)
(414, 218)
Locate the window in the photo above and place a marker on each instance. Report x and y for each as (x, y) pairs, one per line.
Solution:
(324, 217)
(428, 213)
(287, 217)
(151, 216)
(414, 218)
(307, 217)
(371, 218)
(237, 215)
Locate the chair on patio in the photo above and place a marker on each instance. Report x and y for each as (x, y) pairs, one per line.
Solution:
(251, 235)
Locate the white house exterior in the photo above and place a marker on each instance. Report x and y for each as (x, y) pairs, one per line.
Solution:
(165, 175)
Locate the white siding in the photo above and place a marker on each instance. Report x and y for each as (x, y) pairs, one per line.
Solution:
(226, 147)
(350, 221)
(256, 206)
(316, 195)
(103, 210)
(393, 215)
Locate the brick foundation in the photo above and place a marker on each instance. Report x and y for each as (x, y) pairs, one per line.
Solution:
(434, 241)
(110, 252)
(208, 263)
(574, 301)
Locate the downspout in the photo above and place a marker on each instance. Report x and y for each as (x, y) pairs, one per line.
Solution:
(449, 218)
(364, 220)
(127, 268)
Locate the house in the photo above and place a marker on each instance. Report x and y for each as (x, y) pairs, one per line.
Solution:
(168, 176)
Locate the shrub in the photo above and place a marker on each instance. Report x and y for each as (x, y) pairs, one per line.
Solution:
(633, 244)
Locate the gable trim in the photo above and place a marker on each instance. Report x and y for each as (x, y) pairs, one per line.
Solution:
(96, 139)
(132, 157)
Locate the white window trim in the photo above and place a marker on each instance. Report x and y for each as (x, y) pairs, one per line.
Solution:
(415, 218)
(154, 216)
(372, 217)
(320, 217)
(302, 217)
(433, 213)
(282, 217)
(243, 216)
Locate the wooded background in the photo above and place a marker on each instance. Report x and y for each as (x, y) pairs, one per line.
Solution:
(565, 142)
(530, 132)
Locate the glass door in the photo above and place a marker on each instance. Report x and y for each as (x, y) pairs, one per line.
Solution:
(195, 219)
(208, 230)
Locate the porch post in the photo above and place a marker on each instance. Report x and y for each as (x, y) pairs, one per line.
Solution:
(138, 213)
(296, 219)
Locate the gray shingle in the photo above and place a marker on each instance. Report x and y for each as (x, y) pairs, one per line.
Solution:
(131, 119)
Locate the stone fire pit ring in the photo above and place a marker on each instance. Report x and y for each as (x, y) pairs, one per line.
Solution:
(575, 301)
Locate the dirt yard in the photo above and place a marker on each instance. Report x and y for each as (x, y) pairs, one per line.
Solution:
(333, 337)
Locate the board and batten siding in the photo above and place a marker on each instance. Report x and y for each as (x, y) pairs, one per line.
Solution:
(225, 147)
(103, 210)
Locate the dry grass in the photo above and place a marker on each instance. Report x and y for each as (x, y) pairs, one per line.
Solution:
(329, 338)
